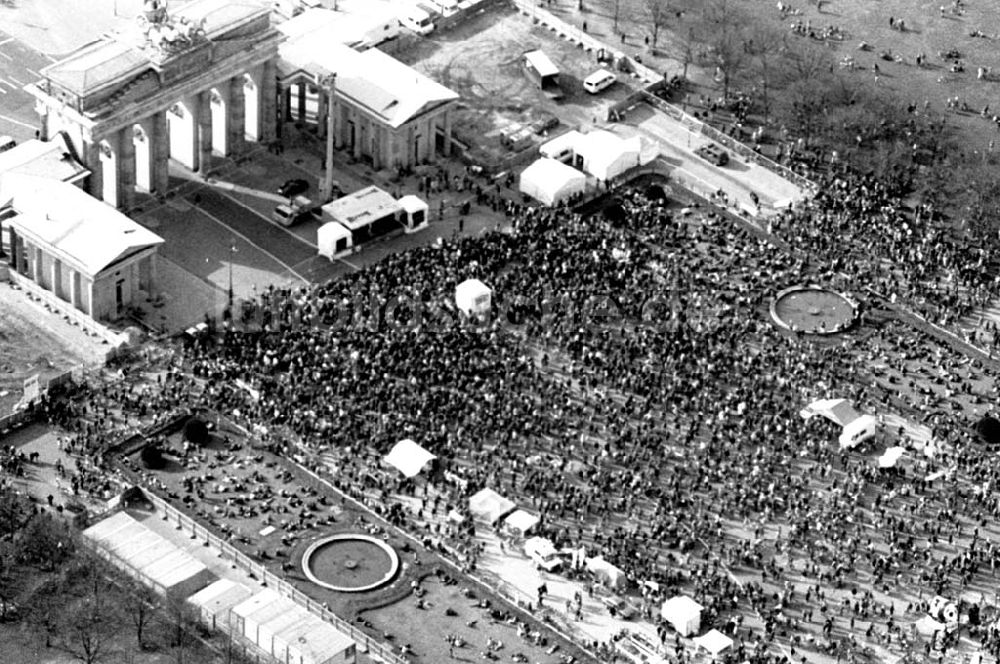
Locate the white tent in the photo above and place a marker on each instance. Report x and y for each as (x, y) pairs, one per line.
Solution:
(520, 521)
(611, 576)
(414, 212)
(605, 156)
(683, 613)
(473, 297)
(714, 642)
(838, 411)
(214, 602)
(408, 458)
(550, 182)
(334, 240)
(488, 505)
(890, 457)
(562, 147)
(927, 626)
(858, 431)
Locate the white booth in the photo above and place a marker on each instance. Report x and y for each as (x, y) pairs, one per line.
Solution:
(473, 298)
(408, 457)
(334, 240)
(683, 613)
(715, 642)
(606, 573)
(605, 156)
(489, 506)
(550, 182)
(414, 213)
(520, 523)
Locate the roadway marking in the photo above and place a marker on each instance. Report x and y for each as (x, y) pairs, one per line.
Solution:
(17, 122)
(9, 57)
(251, 243)
(19, 83)
(6, 41)
(2, 91)
(350, 264)
(222, 192)
(33, 72)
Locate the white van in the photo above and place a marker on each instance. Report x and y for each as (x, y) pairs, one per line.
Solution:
(600, 80)
(445, 7)
(416, 19)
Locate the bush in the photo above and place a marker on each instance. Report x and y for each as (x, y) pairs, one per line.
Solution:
(196, 431)
(152, 457)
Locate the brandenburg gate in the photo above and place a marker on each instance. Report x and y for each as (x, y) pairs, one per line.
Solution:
(197, 81)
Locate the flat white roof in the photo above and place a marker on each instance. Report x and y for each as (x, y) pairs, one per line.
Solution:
(362, 207)
(49, 159)
(541, 62)
(84, 232)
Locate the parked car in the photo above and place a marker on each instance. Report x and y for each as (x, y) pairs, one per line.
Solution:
(299, 210)
(599, 81)
(619, 607)
(714, 154)
(293, 188)
(7, 143)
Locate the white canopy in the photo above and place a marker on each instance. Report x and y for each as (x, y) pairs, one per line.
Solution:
(890, 457)
(521, 521)
(928, 626)
(550, 182)
(858, 431)
(683, 613)
(714, 642)
(408, 458)
(838, 411)
(327, 237)
(612, 576)
(490, 506)
(561, 145)
(473, 297)
(605, 155)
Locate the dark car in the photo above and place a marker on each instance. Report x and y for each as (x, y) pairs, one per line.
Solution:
(293, 188)
(714, 154)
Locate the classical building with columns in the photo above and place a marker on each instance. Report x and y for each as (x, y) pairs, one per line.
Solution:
(90, 256)
(384, 111)
(197, 81)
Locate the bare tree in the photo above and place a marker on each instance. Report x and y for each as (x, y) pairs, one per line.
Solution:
(658, 12)
(180, 621)
(87, 627)
(724, 24)
(765, 45)
(141, 605)
(10, 579)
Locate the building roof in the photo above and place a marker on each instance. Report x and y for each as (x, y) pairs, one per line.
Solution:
(354, 29)
(541, 62)
(149, 554)
(76, 227)
(219, 597)
(362, 207)
(560, 144)
(219, 15)
(374, 81)
(52, 159)
(95, 66)
(315, 640)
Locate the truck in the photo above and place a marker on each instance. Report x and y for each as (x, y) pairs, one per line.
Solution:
(539, 69)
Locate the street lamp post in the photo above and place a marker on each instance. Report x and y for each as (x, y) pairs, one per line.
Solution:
(232, 253)
(329, 82)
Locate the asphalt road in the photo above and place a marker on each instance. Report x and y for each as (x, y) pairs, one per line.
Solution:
(274, 240)
(19, 65)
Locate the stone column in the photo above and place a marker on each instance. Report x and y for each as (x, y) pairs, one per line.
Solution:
(236, 139)
(203, 129)
(57, 278)
(267, 112)
(301, 113)
(125, 164)
(14, 253)
(151, 288)
(37, 266)
(321, 111)
(90, 297)
(446, 148)
(74, 288)
(92, 157)
(159, 154)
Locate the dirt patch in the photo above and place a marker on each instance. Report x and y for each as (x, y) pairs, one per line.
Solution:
(480, 60)
(33, 341)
